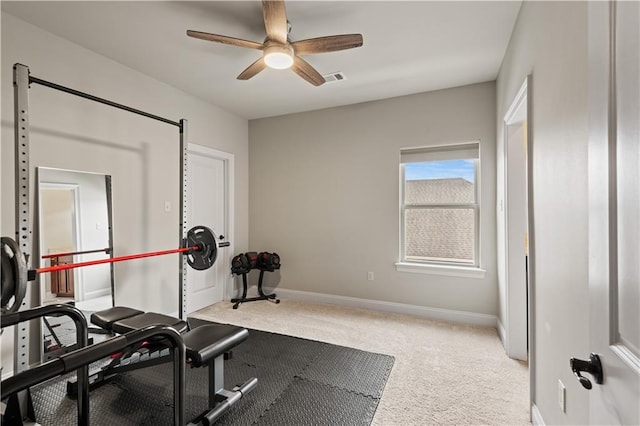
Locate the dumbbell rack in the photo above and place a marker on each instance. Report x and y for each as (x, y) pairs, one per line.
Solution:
(262, 296)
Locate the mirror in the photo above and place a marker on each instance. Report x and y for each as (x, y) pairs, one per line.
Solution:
(74, 225)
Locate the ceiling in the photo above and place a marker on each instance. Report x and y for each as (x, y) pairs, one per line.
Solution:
(409, 46)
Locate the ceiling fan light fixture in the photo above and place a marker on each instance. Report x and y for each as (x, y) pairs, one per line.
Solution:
(278, 57)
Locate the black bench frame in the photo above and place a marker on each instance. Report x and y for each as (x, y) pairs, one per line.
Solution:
(82, 340)
(155, 351)
(81, 358)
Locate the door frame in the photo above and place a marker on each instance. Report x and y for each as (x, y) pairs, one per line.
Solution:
(525, 350)
(225, 254)
(516, 331)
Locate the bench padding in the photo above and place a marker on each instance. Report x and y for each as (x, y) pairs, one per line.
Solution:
(203, 343)
(146, 319)
(212, 340)
(105, 319)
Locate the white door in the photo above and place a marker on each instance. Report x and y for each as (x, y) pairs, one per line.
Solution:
(614, 210)
(207, 206)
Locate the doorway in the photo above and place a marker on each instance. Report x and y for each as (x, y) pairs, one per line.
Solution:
(59, 234)
(517, 256)
(209, 203)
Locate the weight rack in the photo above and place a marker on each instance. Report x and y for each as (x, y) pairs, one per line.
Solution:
(22, 80)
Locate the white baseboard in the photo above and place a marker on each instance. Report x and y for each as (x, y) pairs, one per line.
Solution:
(399, 308)
(97, 293)
(536, 417)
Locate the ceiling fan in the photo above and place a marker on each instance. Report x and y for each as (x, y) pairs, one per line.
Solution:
(278, 51)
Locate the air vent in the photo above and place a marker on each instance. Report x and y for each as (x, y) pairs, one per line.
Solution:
(334, 77)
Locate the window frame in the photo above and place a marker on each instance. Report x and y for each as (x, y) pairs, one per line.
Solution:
(440, 265)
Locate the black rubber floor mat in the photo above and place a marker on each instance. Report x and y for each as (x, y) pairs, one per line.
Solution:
(308, 403)
(300, 382)
(350, 369)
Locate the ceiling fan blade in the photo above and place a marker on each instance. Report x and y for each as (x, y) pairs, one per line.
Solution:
(306, 71)
(252, 69)
(224, 39)
(327, 44)
(275, 20)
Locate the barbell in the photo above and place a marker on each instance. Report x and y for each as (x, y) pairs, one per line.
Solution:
(200, 247)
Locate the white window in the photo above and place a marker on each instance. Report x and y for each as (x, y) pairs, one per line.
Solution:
(439, 209)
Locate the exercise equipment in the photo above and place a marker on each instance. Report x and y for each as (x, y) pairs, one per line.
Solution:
(23, 82)
(106, 250)
(205, 345)
(268, 261)
(198, 245)
(14, 275)
(81, 358)
(14, 414)
(144, 339)
(242, 263)
(200, 248)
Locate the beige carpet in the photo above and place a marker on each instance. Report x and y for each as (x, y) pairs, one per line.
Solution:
(444, 373)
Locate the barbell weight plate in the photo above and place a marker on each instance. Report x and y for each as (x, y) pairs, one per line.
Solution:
(8, 280)
(15, 282)
(202, 237)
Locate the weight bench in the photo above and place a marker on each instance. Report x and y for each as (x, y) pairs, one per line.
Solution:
(206, 345)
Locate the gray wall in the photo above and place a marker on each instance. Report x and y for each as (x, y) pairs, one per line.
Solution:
(550, 42)
(140, 154)
(324, 194)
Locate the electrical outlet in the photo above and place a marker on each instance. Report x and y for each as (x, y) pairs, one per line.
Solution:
(370, 276)
(562, 396)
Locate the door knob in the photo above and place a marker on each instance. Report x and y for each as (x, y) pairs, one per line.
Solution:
(593, 367)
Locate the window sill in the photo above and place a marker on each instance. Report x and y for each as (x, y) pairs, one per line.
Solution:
(452, 271)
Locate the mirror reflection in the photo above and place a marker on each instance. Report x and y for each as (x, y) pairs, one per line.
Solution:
(74, 226)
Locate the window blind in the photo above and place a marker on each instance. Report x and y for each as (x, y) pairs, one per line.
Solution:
(465, 151)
